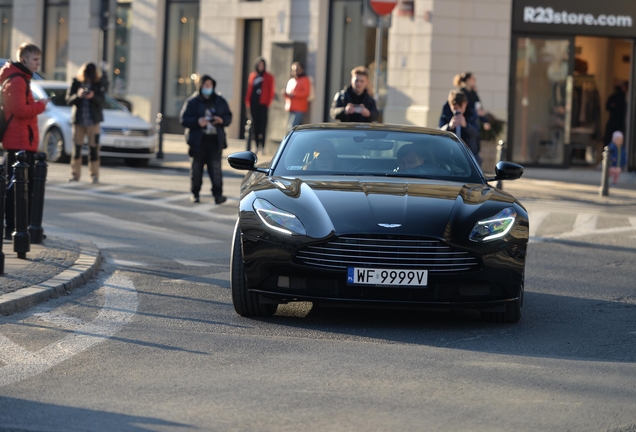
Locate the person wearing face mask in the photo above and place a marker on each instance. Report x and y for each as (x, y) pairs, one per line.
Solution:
(205, 115)
(354, 103)
(259, 96)
(21, 116)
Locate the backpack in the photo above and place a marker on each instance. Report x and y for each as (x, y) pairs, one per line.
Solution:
(4, 122)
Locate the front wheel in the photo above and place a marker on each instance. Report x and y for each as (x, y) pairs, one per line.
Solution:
(54, 146)
(245, 303)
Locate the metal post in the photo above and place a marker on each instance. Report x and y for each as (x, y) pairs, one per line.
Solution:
(501, 145)
(604, 190)
(159, 130)
(248, 134)
(378, 59)
(37, 207)
(3, 193)
(21, 237)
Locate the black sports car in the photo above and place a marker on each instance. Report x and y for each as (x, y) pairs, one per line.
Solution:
(377, 214)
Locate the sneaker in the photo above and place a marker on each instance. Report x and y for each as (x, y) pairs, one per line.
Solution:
(195, 199)
(73, 179)
(95, 180)
(220, 199)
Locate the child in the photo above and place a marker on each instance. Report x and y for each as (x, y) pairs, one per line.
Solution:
(618, 159)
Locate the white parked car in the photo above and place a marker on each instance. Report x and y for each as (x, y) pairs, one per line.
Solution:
(123, 135)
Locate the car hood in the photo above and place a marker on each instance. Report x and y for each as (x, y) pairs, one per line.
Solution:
(115, 118)
(392, 206)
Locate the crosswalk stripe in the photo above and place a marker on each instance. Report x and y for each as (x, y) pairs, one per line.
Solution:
(585, 223)
(536, 219)
(149, 231)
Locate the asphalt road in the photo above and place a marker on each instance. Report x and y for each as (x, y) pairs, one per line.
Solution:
(154, 343)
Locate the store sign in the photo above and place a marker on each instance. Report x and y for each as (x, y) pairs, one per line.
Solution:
(584, 17)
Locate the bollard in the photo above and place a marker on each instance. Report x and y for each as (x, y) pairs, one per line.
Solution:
(159, 131)
(604, 190)
(248, 134)
(37, 206)
(501, 145)
(21, 238)
(3, 193)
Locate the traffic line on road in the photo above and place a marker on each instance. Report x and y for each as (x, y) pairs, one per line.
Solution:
(120, 306)
(536, 218)
(150, 231)
(585, 223)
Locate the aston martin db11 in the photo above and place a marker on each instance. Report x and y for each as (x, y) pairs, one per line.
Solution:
(376, 214)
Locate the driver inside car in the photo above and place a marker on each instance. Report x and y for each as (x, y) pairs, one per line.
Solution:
(408, 159)
(324, 157)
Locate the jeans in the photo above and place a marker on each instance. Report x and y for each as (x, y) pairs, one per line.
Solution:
(295, 119)
(209, 155)
(259, 124)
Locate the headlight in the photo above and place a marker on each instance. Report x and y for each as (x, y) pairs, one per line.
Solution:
(277, 219)
(494, 227)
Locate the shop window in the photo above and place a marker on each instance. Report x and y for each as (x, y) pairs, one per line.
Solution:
(56, 21)
(121, 51)
(6, 16)
(182, 36)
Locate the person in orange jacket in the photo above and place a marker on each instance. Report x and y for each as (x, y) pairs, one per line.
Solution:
(297, 95)
(260, 94)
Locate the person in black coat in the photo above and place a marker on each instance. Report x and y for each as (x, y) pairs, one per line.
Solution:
(354, 103)
(205, 115)
(616, 105)
(87, 97)
(463, 122)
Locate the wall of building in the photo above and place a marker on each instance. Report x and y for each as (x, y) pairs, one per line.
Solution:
(462, 35)
(84, 43)
(28, 19)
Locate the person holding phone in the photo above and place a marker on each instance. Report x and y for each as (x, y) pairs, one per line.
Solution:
(354, 103)
(462, 122)
(205, 115)
(87, 97)
(21, 117)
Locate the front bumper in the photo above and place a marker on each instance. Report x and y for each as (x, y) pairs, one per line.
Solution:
(496, 282)
(127, 147)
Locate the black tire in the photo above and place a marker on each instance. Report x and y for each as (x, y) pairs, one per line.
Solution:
(136, 163)
(54, 146)
(245, 303)
(512, 313)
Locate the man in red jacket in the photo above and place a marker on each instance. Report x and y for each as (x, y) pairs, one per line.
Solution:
(21, 111)
(259, 96)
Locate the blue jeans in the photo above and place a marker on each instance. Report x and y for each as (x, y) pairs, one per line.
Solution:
(295, 118)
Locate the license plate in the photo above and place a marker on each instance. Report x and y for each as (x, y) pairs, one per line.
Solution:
(390, 277)
(126, 143)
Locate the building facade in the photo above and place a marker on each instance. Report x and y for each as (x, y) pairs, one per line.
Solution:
(546, 67)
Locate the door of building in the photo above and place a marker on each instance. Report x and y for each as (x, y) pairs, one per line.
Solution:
(541, 99)
(252, 48)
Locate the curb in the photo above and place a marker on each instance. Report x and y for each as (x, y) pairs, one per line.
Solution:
(73, 277)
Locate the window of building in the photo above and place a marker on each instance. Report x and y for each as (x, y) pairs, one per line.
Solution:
(6, 17)
(182, 34)
(56, 18)
(123, 21)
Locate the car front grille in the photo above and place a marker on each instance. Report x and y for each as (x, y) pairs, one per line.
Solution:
(109, 149)
(127, 132)
(387, 251)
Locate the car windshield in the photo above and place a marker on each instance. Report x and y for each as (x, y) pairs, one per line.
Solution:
(58, 98)
(376, 153)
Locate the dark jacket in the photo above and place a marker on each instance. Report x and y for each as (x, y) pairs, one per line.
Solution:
(469, 134)
(347, 96)
(22, 132)
(95, 104)
(194, 108)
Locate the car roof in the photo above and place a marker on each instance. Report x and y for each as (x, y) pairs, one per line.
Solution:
(374, 127)
(51, 84)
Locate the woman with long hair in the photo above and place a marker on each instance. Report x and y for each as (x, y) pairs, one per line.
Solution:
(86, 96)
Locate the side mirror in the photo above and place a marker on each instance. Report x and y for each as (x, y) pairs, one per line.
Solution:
(508, 171)
(245, 160)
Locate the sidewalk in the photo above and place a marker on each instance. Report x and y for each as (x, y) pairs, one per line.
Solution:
(58, 266)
